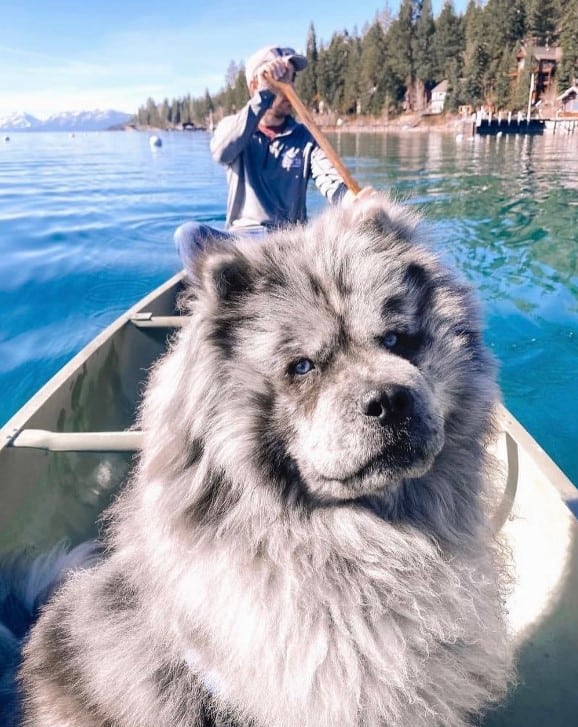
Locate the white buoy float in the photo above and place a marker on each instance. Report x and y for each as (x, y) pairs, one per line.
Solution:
(155, 141)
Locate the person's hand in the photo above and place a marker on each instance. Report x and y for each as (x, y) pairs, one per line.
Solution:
(279, 69)
(350, 198)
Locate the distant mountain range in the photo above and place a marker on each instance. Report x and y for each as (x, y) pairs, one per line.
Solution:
(66, 121)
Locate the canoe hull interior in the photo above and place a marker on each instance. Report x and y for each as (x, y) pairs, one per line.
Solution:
(47, 496)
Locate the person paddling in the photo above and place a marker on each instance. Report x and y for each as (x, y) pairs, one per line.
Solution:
(269, 158)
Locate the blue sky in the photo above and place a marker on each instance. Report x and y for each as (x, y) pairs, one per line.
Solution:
(62, 55)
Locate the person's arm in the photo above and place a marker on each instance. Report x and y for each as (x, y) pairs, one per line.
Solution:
(325, 176)
(233, 133)
(330, 183)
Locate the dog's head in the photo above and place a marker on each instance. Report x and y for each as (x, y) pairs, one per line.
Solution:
(343, 356)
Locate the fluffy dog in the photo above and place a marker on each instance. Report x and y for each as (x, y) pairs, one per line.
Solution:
(305, 541)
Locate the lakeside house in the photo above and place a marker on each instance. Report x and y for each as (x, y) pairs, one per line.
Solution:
(438, 97)
(543, 62)
(569, 102)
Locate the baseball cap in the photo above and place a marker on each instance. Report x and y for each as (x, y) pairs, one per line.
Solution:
(269, 53)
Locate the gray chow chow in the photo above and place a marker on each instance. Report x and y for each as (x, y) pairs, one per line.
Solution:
(305, 541)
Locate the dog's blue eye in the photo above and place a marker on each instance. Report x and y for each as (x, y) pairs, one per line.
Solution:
(303, 366)
(390, 340)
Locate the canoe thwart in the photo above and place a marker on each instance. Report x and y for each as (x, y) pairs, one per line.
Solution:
(509, 494)
(148, 320)
(78, 441)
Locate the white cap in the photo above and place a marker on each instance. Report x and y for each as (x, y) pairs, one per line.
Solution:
(268, 54)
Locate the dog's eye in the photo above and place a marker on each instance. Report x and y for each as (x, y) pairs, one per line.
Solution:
(302, 366)
(390, 340)
(402, 344)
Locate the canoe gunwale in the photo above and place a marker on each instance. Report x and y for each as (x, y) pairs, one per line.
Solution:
(17, 423)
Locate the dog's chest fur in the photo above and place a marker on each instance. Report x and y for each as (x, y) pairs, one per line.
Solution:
(343, 635)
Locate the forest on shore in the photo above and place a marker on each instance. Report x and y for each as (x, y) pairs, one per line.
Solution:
(391, 66)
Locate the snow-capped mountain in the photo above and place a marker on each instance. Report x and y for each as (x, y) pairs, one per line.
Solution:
(66, 121)
(19, 122)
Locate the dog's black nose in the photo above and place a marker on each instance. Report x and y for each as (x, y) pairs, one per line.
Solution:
(388, 404)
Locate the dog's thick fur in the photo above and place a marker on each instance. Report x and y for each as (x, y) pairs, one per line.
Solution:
(304, 543)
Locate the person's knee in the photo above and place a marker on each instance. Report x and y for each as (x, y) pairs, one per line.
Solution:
(192, 237)
(189, 235)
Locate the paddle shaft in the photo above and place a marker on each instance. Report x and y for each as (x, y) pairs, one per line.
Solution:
(291, 95)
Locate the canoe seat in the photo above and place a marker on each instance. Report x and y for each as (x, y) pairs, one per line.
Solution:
(127, 441)
(148, 320)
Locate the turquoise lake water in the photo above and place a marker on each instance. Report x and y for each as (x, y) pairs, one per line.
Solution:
(86, 225)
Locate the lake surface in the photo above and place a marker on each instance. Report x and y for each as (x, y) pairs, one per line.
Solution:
(86, 226)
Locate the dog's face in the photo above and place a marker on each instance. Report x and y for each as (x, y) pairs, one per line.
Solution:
(351, 350)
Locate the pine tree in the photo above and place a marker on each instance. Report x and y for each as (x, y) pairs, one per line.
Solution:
(521, 87)
(503, 83)
(400, 39)
(568, 72)
(306, 83)
(175, 114)
(448, 43)
(233, 70)
(473, 89)
(471, 84)
(331, 82)
(351, 85)
(543, 17)
(423, 55)
(503, 27)
(371, 70)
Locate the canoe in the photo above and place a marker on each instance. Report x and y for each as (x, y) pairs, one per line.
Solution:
(66, 452)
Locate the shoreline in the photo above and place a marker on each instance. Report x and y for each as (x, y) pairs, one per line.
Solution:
(330, 123)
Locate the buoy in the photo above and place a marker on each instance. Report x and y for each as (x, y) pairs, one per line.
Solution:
(155, 141)
(6, 138)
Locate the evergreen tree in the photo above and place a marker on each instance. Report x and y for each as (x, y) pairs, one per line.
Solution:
(454, 96)
(423, 54)
(448, 43)
(472, 89)
(400, 39)
(332, 81)
(240, 90)
(543, 17)
(209, 106)
(568, 72)
(175, 114)
(306, 83)
(165, 113)
(371, 70)
(476, 59)
(502, 86)
(472, 24)
(351, 84)
(233, 70)
(503, 24)
(521, 88)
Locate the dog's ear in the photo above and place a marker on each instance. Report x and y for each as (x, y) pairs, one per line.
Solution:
(379, 216)
(225, 275)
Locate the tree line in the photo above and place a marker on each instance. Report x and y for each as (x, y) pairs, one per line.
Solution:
(392, 65)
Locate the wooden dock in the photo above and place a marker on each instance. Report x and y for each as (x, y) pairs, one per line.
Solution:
(496, 125)
(508, 124)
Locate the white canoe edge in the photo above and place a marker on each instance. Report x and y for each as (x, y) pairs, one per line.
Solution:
(12, 428)
(542, 533)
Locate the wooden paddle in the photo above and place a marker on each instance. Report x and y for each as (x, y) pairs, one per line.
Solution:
(287, 90)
